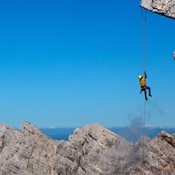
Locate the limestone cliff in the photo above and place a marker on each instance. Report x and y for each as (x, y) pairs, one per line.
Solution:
(163, 7)
(91, 150)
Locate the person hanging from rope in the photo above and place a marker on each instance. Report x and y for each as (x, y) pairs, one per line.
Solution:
(143, 86)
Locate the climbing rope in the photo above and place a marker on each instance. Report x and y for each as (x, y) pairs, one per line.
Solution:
(144, 69)
(144, 39)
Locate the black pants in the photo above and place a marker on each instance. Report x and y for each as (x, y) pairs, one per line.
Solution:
(145, 92)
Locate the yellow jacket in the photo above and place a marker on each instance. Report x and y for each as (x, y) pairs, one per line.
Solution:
(143, 82)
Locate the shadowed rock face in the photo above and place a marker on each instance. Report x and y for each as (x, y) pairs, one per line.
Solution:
(162, 7)
(91, 150)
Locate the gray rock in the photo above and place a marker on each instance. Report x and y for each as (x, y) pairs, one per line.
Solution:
(162, 7)
(91, 150)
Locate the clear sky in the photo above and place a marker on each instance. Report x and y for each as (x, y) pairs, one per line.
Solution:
(70, 63)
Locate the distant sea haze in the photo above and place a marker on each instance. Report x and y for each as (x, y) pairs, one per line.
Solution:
(130, 134)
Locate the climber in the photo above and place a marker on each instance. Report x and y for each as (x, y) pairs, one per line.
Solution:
(143, 86)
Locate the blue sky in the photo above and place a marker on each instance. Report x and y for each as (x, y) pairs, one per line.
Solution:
(70, 63)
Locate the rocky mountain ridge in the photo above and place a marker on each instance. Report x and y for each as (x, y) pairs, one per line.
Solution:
(91, 150)
(162, 7)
